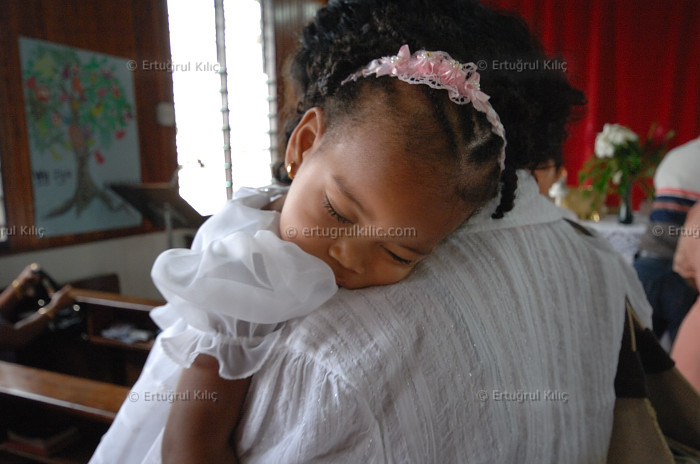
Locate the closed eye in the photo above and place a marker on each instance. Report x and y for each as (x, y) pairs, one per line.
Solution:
(333, 213)
(399, 259)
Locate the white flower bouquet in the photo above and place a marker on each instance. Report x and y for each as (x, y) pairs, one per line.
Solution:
(621, 160)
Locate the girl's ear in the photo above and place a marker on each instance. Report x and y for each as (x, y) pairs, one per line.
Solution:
(305, 138)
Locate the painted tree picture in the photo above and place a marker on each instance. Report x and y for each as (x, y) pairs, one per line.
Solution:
(80, 115)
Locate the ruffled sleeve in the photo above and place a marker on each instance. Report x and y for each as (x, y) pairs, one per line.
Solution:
(229, 294)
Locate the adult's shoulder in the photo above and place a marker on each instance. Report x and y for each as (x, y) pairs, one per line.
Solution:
(678, 174)
(371, 321)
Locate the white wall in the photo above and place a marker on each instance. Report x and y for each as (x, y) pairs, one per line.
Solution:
(130, 258)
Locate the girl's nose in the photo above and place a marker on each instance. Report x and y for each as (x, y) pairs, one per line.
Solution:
(348, 253)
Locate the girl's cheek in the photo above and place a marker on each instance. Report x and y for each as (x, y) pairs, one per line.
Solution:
(387, 274)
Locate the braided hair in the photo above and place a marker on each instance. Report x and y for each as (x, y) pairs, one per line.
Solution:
(345, 35)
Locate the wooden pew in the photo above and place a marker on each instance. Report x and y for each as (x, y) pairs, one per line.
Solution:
(89, 404)
(82, 397)
(103, 308)
(30, 395)
(83, 351)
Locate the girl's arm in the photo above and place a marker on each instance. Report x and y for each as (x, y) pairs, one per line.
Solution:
(203, 416)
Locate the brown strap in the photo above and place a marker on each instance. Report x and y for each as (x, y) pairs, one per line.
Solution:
(654, 357)
(579, 228)
(630, 381)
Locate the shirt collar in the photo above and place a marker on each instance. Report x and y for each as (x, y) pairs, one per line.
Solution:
(530, 208)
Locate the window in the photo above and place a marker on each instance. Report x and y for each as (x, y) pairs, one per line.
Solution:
(197, 85)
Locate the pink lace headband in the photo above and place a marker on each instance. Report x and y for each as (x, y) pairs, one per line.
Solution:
(439, 71)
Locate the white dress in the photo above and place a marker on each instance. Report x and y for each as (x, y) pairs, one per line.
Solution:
(227, 298)
(501, 347)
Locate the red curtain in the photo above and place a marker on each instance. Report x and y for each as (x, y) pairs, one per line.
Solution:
(638, 61)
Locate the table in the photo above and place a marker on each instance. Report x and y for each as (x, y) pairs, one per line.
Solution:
(623, 237)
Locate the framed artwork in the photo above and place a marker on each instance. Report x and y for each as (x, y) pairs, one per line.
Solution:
(81, 120)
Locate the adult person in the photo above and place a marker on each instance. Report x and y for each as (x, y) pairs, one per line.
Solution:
(677, 189)
(501, 346)
(549, 173)
(349, 172)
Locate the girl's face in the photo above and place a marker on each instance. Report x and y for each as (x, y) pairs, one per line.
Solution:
(360, 206)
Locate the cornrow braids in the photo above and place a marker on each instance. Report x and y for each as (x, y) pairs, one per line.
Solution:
(509, 180)
(477, 179)
(534, 109)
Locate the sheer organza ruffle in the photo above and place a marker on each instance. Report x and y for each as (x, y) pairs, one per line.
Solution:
(229, 294)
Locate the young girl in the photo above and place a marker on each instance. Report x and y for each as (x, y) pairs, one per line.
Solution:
(391, 152)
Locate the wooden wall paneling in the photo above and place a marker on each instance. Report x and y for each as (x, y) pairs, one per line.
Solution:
(13, 135)
(287, 19)
(158, 152)
(135, 30)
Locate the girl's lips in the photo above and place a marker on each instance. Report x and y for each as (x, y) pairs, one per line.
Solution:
(343, 280)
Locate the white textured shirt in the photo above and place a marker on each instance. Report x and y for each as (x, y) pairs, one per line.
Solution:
(501, 347)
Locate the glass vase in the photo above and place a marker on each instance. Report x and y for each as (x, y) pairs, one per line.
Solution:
(625, 215)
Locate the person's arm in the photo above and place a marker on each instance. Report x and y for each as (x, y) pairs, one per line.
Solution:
(24, 331)
(14, 292)
(686, 259)
(686, 349)
(9, 299)
(203, 415)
